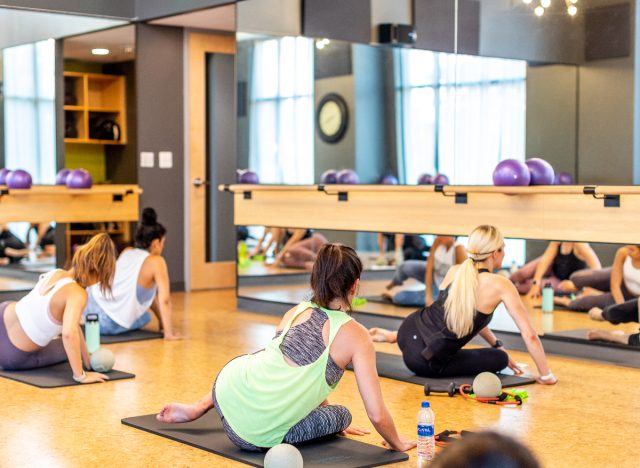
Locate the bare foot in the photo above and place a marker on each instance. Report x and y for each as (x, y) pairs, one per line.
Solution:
(596, 314)
(388, 295)
(605, 335)
(563, 301)
(179, 413)
(380, 335)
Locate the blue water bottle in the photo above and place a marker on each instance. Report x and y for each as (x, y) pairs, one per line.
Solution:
(547, 298)
(92, 332)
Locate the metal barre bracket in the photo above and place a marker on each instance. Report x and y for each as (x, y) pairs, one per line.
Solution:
(461, 198)
(246, 195)
(342, 196)
(610, 201)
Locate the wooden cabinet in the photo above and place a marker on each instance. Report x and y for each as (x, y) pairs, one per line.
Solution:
(95, 109)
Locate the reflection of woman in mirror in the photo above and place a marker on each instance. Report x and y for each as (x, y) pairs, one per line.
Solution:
(385, 240)
(271, 237)
(608, 286)
(300, 248)
(141, 284)
(279, 394)
(12, 249)
(556, 265)
(431, 338)
(614, 337)
(30, 329)
(443, 255)
(46, 238)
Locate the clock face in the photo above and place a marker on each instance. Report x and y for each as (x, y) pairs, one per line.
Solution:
(332, 118)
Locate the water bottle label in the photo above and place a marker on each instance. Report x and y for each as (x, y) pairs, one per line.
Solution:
(425, 430)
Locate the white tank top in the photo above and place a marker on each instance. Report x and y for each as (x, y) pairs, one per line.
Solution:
(631, 276)
(123, 306)
(443, 259)
(33, 311)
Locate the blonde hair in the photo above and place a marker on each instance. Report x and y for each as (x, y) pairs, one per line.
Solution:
(95, 261)
(460, 305)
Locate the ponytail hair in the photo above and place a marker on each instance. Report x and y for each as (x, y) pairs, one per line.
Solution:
(460, 305)
(95, 261)
(149, 229)
(335, 271)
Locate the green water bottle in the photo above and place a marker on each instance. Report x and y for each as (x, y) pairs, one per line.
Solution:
(547, 298)
(92, 332)
(243, 254)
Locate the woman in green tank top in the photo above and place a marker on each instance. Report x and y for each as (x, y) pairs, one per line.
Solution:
(280, 394)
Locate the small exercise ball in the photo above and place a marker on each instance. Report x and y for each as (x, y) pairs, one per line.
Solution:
(441, 179)
(283, 456)
(61, 176)
(563, 178)
(248, 177)
(79, 179)
(102, 360)
(541, 171)
(487, 385)
(511, 172)
(347, 176)
(19, 179)
(4, 172)
(425, 179)
(329, 176)
(389, 179)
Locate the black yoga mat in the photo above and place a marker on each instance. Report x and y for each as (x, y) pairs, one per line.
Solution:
(58, 375)
(135, 335)
(391, 366)
(207, 434)
(382, 300)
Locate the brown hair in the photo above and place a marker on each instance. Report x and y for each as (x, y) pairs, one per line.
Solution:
(95, 260)
(336, 269)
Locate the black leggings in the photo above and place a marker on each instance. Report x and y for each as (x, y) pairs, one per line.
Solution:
(465, 362)
(634, 340)
(622, 313)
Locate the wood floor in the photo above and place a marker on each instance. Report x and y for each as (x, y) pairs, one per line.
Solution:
(590, 418)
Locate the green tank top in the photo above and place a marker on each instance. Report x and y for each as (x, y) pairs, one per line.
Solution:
(262, 396)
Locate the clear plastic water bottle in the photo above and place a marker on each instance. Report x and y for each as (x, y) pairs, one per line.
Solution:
(426, 436)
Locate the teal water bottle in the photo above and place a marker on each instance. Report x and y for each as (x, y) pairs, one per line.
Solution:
(92, 332)
(547, 298)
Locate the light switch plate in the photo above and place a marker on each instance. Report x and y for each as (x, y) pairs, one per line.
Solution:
(147, 159)
(165, 159)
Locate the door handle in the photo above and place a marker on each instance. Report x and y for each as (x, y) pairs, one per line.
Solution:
(198, 182)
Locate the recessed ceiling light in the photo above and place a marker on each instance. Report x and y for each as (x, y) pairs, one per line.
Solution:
(539, 11)
(100, 51)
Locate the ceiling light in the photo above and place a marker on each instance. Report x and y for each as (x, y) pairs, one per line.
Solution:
(526, 2)
(573, 1)
(572, 10)
(545, 3)
(539, 11)
(100, 51)
(320, 45)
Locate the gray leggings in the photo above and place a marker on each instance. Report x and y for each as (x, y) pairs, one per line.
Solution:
(600, 280)
(321, 422)
(622, 313)
(12, 358)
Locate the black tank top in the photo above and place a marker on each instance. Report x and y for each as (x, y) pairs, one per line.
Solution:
(429, 325)
(287, 235)
(564, 265)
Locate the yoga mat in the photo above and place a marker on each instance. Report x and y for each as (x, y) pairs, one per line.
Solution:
(381, 300)
(135, 335)
(207, 434)
(58, 375)
(580, 336)
(391, 366)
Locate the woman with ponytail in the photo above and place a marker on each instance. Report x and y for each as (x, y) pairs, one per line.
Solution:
(30, 329)
(141, 284)
(431, 339)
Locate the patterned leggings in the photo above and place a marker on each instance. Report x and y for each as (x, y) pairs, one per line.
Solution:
(321, 422)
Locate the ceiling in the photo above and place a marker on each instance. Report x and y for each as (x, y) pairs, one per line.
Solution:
(120, 42)
(221, 18)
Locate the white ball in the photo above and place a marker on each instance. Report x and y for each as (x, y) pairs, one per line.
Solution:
(283, 456)
(487, 385)
(102, 360)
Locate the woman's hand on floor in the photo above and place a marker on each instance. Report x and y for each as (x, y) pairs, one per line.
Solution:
(405, 444)
(355, 430)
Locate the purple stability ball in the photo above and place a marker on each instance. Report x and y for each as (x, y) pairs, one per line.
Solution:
(511, 172)
(329, 176)
(389, 179)
(563, 178)
(79, 179)
(347, 176)
(61, 176)
(248, 177)
(441, 179)
(541, 171)
(19, 179)
(3, 176)
(425, 179)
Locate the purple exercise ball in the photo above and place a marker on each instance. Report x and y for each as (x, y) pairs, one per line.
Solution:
(79, 179)
(389, 179)
(248, 177)
(347, 176)
(563, 178)
(541, 171)
(511, 172)
(3, 175)
(19, 179)
(330, 176)
(440, 179)
(425, 179)
(61, 176)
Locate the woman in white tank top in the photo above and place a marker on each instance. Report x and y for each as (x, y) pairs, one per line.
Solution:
(141, 283)
(30, 329)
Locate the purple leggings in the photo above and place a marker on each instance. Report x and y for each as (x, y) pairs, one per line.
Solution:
(12, 358)
(524, 276)
(302, 254)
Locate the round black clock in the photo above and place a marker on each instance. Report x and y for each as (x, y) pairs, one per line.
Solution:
(332, 118)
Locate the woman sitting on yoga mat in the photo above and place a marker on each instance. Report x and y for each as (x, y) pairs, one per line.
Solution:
(443, 255)
(140, 273)
(300, 248)
(29, 328)
(279, 394)
(431, 338)
(558, 262)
